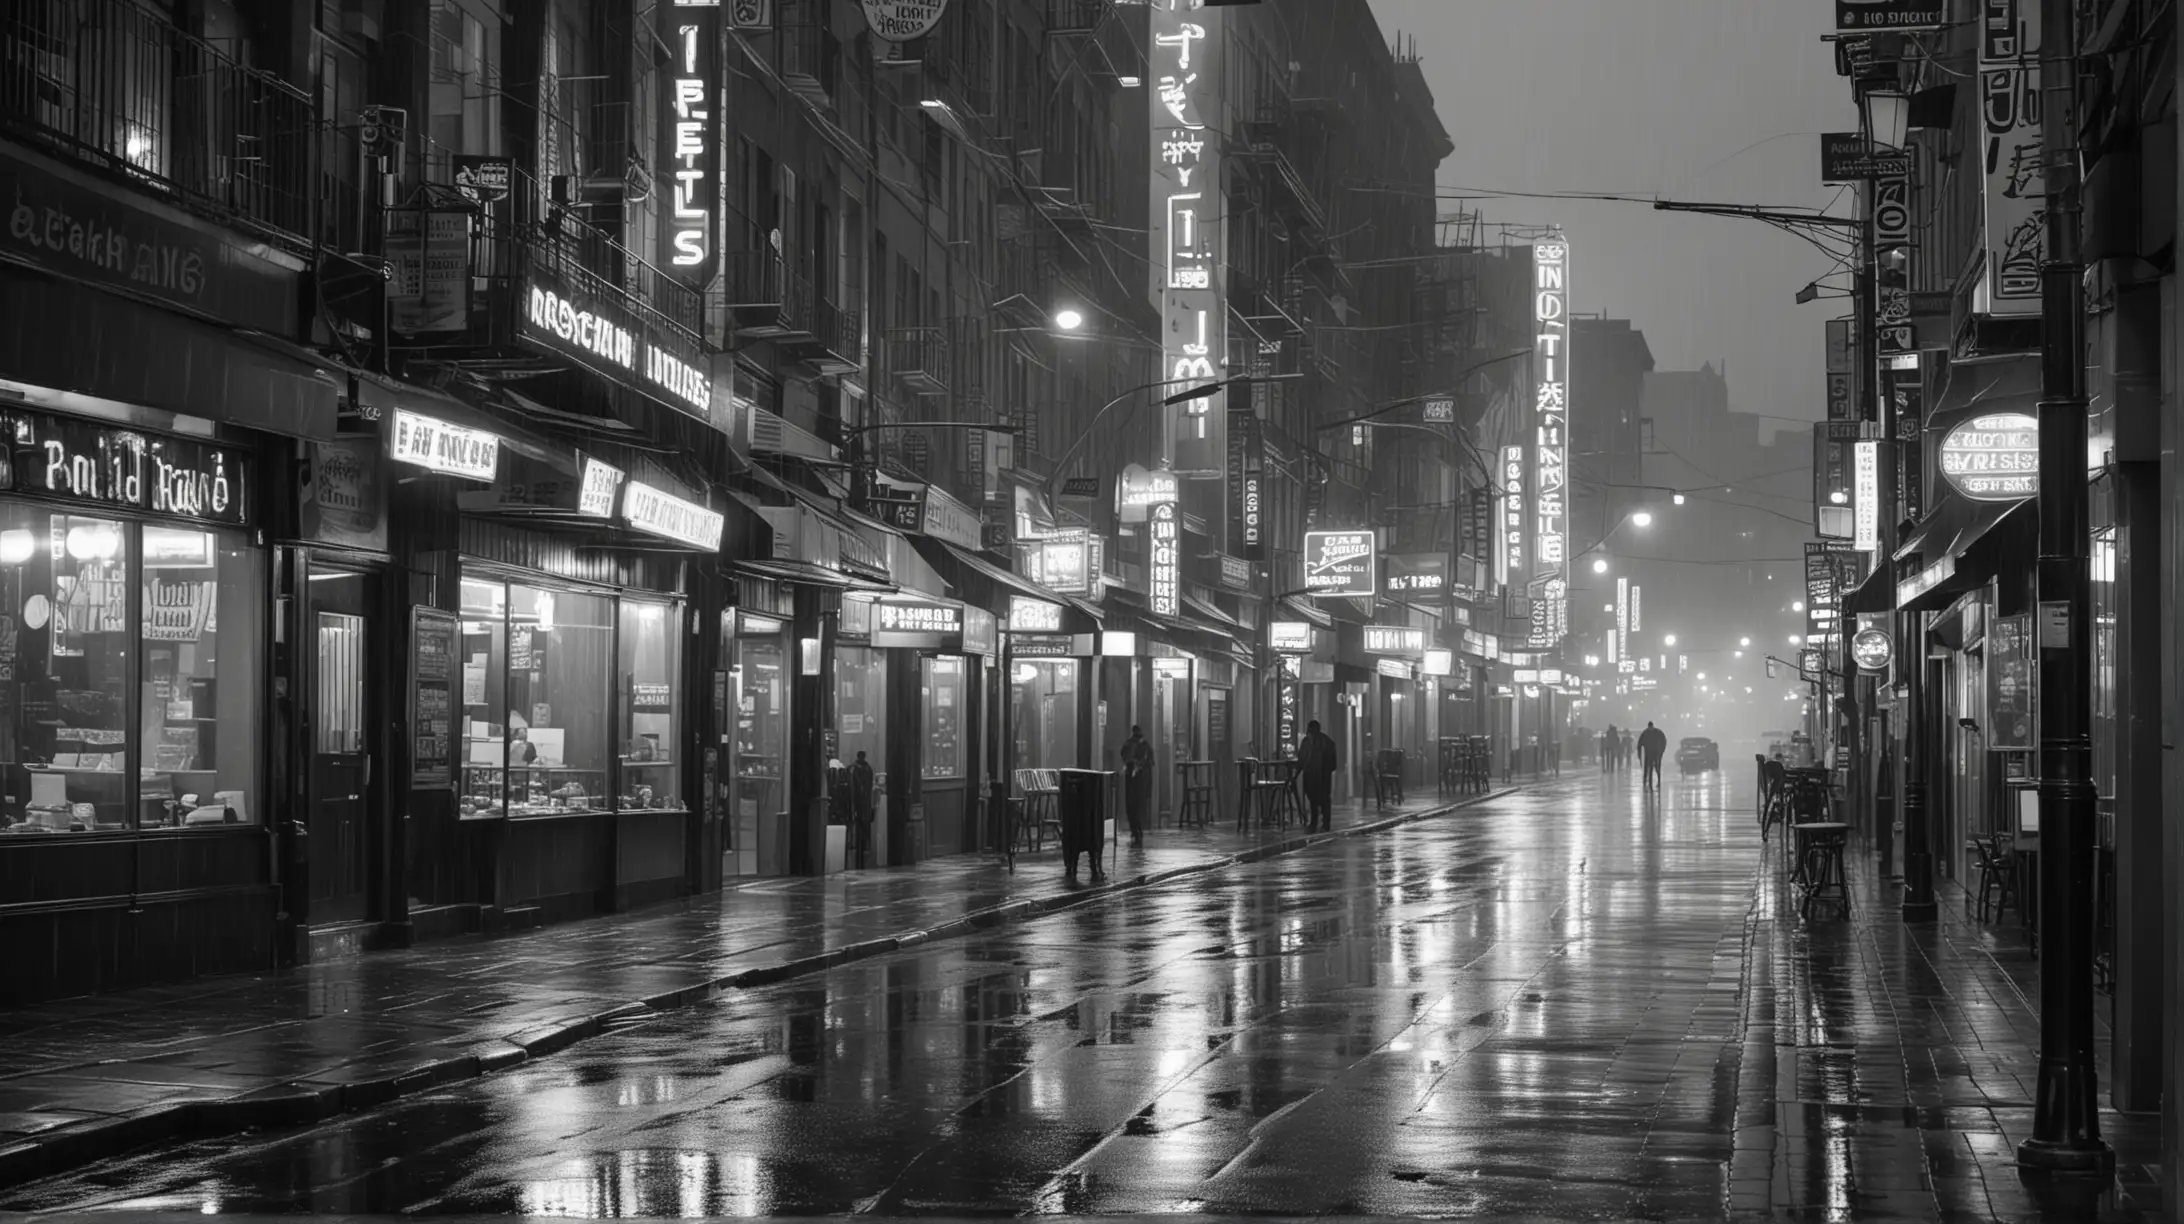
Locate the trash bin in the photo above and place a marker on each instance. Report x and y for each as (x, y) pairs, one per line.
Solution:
(1083, 811)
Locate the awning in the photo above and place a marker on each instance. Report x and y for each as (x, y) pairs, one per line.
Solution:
(1877, 594)
(2011, 384)
(69, 336)
(1931, 574)
(1308, 613)
(811, 575)
(841, 535)
(1220, 619)
(1005, 579)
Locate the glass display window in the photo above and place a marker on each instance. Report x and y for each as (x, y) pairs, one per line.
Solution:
(860, 704)
(651, 660)
(759, 682)
(538, 723)
(942, 695)
(1044, 692)
(130, 675)
(483, 657)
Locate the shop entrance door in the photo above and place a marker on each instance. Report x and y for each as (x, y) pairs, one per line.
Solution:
(343, 830)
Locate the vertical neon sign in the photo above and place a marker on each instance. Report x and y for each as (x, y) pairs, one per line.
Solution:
(1509, 542)
(692, 134)
(1550, 364)
(1167, 579)
(1866, 496)
(1187, 256)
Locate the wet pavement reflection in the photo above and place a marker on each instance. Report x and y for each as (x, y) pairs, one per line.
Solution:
(1576, 1002)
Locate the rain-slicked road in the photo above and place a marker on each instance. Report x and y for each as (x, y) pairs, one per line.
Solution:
(1537, 1006)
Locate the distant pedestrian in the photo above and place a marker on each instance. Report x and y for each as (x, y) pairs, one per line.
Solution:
(1622, 758)
(861, 786)
(1611, 742)
(1316, 765)
(1137, 782)
(1652, 744)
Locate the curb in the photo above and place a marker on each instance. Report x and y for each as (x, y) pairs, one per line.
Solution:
(307, 1102)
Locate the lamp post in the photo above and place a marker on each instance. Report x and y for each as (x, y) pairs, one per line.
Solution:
(2066, 1121)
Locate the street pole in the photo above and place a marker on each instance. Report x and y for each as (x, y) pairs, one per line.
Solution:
(1918, 849)
(2066, 1121)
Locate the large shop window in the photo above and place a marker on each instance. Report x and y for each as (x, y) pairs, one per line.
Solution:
(860, 706)
(1044, 692)
(651, 659)
(542, 719)
(941, 684)
(130, 661)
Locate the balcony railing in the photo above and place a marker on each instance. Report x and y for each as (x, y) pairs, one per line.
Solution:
(810, 57)
(110, 83)
(1075, 16)
(765, 297)
(919, 357)
(836, 343)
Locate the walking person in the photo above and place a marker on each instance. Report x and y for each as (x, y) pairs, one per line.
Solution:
(1652, 744)
(1622, 760)
(1610, 744)
(861, 786)
(1316, 765)
(1137, 782)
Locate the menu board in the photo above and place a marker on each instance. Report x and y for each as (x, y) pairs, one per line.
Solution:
(2010, 724)
(432, 714)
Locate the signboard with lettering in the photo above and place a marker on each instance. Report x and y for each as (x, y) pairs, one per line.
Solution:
(344, 500)
(1509, 529)
(1188, 239)
(2011, 678)
(86, 461)
(1028, 615)
(1868, 16)
(438, 446)
(1994, 457)
(1415, 574)
(660, 513)
(432, 706)
(1394, 639)
(2014, 196)
(603, 334)
(691, 136)
(899, 21)
(1290, 637)
(1439, 661)
(1042, 645)
(1140, 490)
(599, 483)
(1848, 157)
(926, 624)
(1865, 496)
(1551, 419)
(1339, 562)
(1166, 546)
(1872, 648)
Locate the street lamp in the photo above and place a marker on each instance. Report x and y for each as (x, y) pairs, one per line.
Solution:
(1744, 641)
(1668, 640)
(1068, 318)
(1600, 565)
(1644, 518)
(1679, 499)
(1797, 605)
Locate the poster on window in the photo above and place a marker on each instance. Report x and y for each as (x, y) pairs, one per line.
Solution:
(177, 610)
(2010, 683)
(428, 268)
(432, 711)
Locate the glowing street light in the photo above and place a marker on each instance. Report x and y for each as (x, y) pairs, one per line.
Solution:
(1744, 641)
(1797, 605)
(1668, 640)
(1679, 499)
(1068, 318)
(1644, 518)
(1794, 639)
(1600, 565)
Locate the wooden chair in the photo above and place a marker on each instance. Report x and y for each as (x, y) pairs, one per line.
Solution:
(1387, 775)
(1194, 788)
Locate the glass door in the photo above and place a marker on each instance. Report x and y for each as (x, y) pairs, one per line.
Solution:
(342, 746)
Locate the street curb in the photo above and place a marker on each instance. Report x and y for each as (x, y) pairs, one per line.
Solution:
(307, 1102)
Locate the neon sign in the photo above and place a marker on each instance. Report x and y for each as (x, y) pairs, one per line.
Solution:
(690, 134)
(1186, 206)
(1509, 557)
(1550, 361)
(1167, 570)
(1866, 496)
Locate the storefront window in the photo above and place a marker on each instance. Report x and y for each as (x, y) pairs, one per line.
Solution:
(2107, 725)
(483, 789)
(651, 659)
(77, 756)
(758, 683)
(1044, 692)
(941, 687)
(537, 718)
(860, 704)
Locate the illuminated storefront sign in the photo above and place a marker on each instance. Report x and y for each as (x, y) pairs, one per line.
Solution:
(1550, 438)
(921, 623)
(670, 517)
(438, 446)
(1189, 283)
(690, 134)
(1415, 573)
(1064, 562)
(1637, 619)
(1994, 457)
(1866, 496)
(1872, 648)
(1440, 662)
(1290, 637)
(608, 338)
(1509, 550)
(1028, 615)
(1140, 490)
(1339, 562)
(1394, 639)
(1167, 574)
(1619, 642)
(1550, 612)
(899, 21)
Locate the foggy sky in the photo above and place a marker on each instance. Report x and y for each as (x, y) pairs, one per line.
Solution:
(1647, 97)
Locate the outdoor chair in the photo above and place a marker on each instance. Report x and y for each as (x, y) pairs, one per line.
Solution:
(1387, 775)
(1194, 789)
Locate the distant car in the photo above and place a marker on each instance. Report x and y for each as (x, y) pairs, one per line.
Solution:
(1697, 754)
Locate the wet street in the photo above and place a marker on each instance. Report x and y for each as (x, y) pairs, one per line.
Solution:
(1572, 1003)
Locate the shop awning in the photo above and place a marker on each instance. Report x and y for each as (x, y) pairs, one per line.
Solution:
(1214, 615)
(1931, 572)
(1877, 594)
(1005, 579)
(812, 575)
(1308, 613)
(821, 533)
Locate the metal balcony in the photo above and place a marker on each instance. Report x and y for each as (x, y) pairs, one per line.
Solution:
(836, 342)
(765, 299)
(110, 84)
(919, 357)
(809, 57)
(1075, 16)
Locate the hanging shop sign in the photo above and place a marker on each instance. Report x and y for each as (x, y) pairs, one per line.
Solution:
(1509, 542)
(1994, 457)
(1415, 574)
(1289, 637)
(1394, 639)
(981, 632)
(1028, 615)
(1167, 559)
(692, 136)
(1848, 157)
(1393, 669)
(1251, 496)
(931, 512)
(1339, 562)
(660, 513)
(1865, 497)
(899, 21)
(343, 498)
(600, 481)
(1550, 612)
(1235, 573)
(602, 333)
(1872, 649)
(922, 624)
(1140, 490)
(428, 270)
(1868, 16)
(1187, 236)
(2010, 41)
(1619, 640)
(1439, 410)
(1440, 662)
(438, 446)
(483, 178)
(1042, 645)
(1551, 369)
(82, 460)
(1062, 562)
